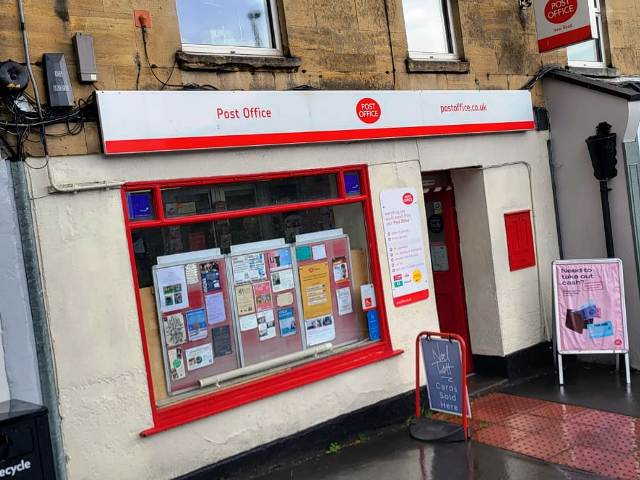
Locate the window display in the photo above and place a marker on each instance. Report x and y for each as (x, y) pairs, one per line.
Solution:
(195, 326)
(264, 281)
(325, 267)
(244, 280)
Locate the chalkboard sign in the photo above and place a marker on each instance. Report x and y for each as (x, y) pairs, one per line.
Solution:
(443, 365)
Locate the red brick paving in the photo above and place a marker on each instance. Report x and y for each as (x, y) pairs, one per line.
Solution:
(592, 440)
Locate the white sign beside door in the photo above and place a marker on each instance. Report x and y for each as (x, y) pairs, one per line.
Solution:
(405, 245)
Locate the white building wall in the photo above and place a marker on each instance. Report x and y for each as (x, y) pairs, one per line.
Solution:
(476, 253)
(89, 291)
(518, 292)
(574, 113)
(507, 188)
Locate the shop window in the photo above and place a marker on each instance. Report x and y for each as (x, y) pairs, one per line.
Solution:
(519, 240)
(430, 29)
(253, 285)
(590, 54)
(240, 27)
(140, 205)
(182, 201)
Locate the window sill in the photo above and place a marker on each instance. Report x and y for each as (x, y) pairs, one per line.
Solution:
(600, 72)
(235, 63)
(437, 66)
(232, 397)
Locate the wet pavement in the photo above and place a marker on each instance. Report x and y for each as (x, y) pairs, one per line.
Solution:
(588, 385)
(395, 456)
(587, 429)
(601, 442)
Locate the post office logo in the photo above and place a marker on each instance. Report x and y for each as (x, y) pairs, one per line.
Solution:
(560, 11)
(368, 110)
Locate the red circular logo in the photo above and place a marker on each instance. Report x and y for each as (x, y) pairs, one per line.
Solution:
(407, 199)
(368, 110)
(618, 342)
(559, 11)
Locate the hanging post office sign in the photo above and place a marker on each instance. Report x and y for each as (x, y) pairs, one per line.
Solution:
(561, 23)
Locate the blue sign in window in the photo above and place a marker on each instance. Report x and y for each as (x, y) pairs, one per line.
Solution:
(352, 183)
(140, 205)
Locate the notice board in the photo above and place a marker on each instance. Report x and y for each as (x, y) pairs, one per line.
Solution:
(589, 305)
(195, 321)
(326, 289)
(265, 298)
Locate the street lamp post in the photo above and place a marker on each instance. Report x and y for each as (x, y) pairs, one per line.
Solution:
(602, 150)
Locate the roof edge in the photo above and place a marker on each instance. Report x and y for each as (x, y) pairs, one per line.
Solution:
(594, 84)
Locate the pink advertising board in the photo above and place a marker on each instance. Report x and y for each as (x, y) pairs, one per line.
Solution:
(589, 306)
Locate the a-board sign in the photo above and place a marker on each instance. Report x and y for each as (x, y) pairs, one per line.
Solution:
(589, 303)
(561, 23)
(405, 245)
(443, 365)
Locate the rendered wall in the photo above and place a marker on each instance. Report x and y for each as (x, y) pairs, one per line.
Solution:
(477, 262)
(101, 374)
(574, 113)
(519, 307)
(506, 189)
(102, 379)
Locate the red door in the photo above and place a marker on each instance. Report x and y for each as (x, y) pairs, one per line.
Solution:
(444, 242)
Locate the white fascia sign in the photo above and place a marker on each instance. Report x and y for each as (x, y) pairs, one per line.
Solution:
(561, 23)
(143, 122)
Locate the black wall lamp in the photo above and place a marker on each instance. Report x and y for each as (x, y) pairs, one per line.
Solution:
(602, 150)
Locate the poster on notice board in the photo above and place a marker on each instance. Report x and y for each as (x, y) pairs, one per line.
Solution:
(589, 305)
(405, 245)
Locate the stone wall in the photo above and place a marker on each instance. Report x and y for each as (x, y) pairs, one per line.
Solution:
(342, 44)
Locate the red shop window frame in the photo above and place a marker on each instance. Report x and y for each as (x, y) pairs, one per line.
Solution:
(208, 404)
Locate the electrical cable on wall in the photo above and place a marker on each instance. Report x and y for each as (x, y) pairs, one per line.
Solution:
(153, 66)
(21, 118)
(539, 75)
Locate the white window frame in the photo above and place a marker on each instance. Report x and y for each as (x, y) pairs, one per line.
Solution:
(599, 42)
(451, 33)
(233, 50)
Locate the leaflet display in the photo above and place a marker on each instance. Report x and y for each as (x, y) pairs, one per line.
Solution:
(195, 320)
(326, 290)
(260, 302)
(266, 304)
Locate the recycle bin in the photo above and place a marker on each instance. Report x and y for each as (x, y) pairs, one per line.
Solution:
(25, 443)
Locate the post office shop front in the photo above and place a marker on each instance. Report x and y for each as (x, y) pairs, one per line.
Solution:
(222, 277)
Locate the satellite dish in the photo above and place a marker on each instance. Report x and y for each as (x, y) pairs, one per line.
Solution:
(14, 77)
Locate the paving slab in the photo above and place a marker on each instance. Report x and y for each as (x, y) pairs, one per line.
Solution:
(395, 456)
(588, 385)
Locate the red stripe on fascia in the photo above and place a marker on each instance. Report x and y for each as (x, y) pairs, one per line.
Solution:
(263, 139)
(411, 298)
(565, 39)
